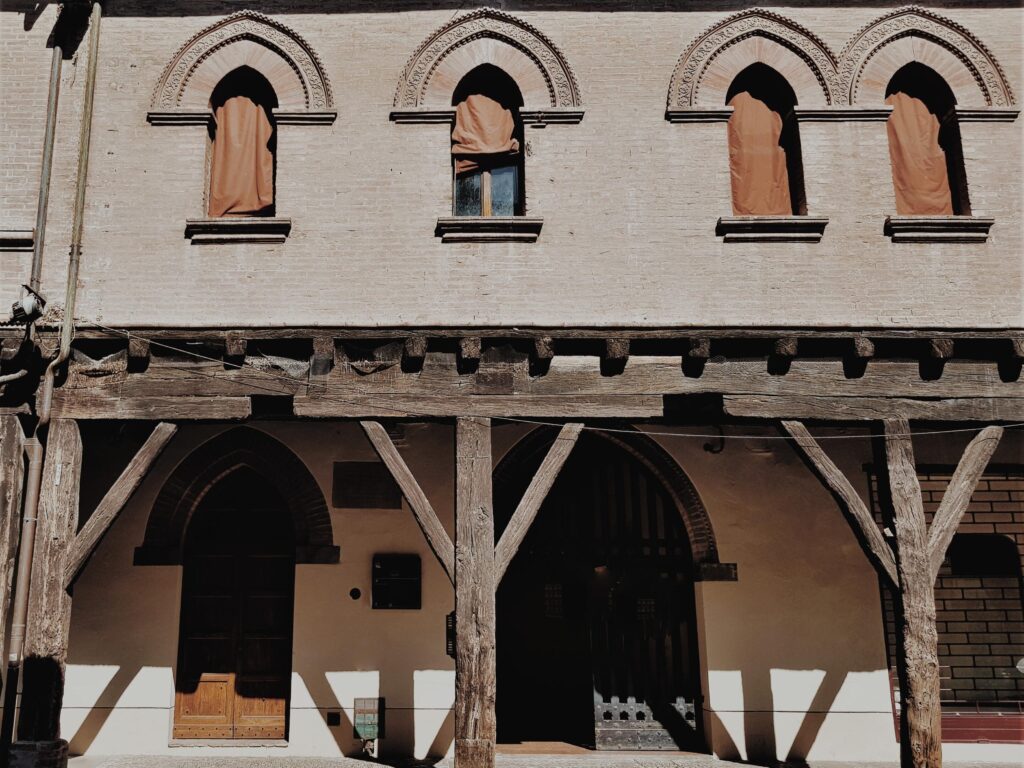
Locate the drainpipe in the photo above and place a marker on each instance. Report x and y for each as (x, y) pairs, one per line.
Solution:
(33, 447)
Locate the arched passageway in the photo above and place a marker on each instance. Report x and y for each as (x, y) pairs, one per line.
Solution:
(235, 635)
(597, 641)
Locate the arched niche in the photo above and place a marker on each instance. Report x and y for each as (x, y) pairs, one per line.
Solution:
(216, 459)
(487, 36)
(244, 39)
(709, 65)
(531, 449)
(914, 34)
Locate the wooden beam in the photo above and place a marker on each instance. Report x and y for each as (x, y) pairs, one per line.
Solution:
(469, 348)
(958, 494)
(49, 606)
(1017, 347)
(917, 636)
(235, 345)
(543, 348)
(786, 347)
(323, 356)
(91, 404)
(941, 349)
(616, 349)
(438, 540)
(12, 476)
(415, 348)
(857, 514)
(512, 405)
(475, 667)
(114, 500)
(874, 408)
(700, 348)
(531, 502)
(863, 347)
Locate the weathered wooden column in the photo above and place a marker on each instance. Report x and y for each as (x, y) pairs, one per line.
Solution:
(920, 705)
(49, 615)
(475, 670)
(12, 476)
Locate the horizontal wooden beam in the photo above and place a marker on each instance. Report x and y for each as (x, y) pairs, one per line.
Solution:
(874, 408)
(80, 404)
(113, 501)
(492, 406)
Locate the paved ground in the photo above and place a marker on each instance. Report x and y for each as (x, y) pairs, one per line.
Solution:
(604, 760)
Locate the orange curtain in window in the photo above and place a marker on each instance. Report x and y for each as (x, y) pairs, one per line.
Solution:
(919, 172)
(242, 173)
(482, 127)
(757, 164)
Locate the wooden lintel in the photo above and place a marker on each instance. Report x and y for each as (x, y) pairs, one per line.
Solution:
(438, 540)
(855, 510)
(115, 499)
(700, 348)
(863, 347)
(940, 348)
(86, 404)
(786, 347)
(496, 406)
(529, 506)
(874, 408)
(958, 494)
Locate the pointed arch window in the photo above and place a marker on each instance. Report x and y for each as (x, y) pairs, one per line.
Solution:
(243, 146)
(924, 145)
(764, 145)
(487, 141)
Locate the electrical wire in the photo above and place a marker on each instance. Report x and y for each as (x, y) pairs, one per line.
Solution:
(374, 397)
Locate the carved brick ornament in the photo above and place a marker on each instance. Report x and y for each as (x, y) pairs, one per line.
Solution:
(700, 57)
(920, 22)
(563, 90)
(245, 25)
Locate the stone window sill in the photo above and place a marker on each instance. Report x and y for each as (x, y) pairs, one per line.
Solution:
(238, 229)
(778, 229)
(488, 229)
(938, 229)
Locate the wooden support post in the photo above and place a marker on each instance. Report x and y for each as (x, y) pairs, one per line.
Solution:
(114, 500)
(917, 645)
(12, 477)
(475, 670)
(437, 537)
(46, 644)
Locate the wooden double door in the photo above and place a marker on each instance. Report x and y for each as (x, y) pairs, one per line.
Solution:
(235, 641)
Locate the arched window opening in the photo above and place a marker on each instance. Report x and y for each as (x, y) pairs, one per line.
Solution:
(487, 140)
(924, 145)
(764, 145)
(244, 146)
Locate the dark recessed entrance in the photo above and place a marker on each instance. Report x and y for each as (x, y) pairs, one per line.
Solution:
(235, 640)
(596, 640)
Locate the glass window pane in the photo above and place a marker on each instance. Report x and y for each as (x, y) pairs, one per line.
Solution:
(467, 194)
(504, 190)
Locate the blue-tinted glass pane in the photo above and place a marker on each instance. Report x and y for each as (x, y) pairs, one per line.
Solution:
(467, 194)
(504, 190)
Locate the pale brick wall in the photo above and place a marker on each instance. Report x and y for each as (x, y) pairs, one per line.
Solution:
(629, 201)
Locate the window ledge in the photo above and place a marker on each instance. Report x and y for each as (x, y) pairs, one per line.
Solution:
(938, 229)
(17, 239)
(238, 229)
(779, 229)
(488, 229)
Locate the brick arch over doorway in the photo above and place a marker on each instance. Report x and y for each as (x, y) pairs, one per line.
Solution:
(214, 460)
(704, 550)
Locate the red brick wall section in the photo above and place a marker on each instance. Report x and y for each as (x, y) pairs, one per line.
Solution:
(980, 618)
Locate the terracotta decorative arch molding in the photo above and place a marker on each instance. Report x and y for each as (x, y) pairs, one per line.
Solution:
(246, 38)
(531, 449)
(214, 460)
(710, 63)
(549, 87)
(917, 34)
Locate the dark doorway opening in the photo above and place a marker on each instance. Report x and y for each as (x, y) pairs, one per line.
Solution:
(596, 640)
(235, 638)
